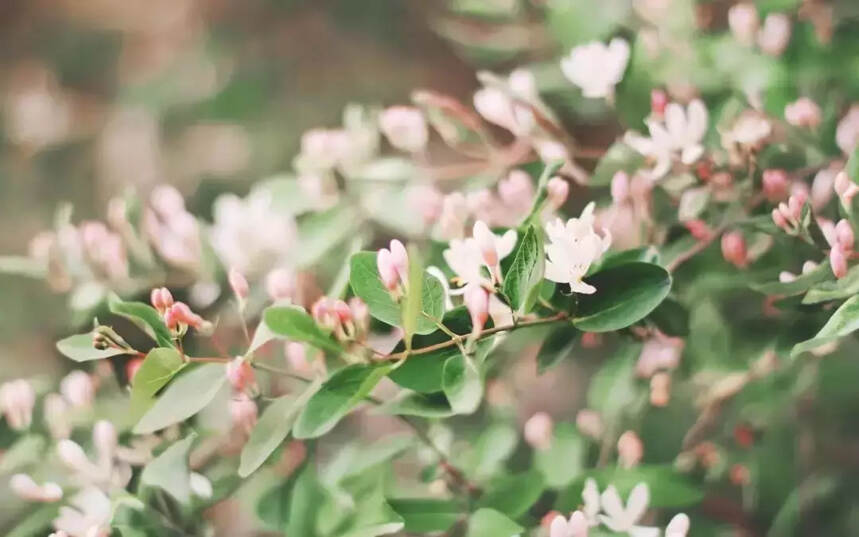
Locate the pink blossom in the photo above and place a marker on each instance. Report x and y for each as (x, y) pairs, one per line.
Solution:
(734, 249)
(775, 184)
(280, 284)
(630, 449)
(243, 413)
(538, 431)
(240, 373)
(517, 192)
(847, 132)
(238, 283)
(838, 261)
(393, 265)
(477, 302)
(744, 21)
(589, 423)
(659, 352)
(774, 35)
(161, 299)
(845, 187)
(404, 127)
(803, 113)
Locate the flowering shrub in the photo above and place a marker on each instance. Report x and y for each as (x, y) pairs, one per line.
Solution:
(422, 265)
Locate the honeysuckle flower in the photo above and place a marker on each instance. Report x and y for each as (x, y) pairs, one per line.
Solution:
(597, 68)
(678, 137)
(841, 239)
(573, 247)
(280, 284)
(659, 352)
(251, 234)
(576, 526)
(476, 299)
(734, 249)
(179, 316)
(17, 399)
(88, 515)
(493, 248)
(847, 132)
(678, 526)
(749, 131)
(538, 431)
(78, 389)
(774, 35)
(744, 21)
(161, 299)
(507, 102)
(467, 257)
(109, 471)
(803, 113)
(630, 449)
(788, 215)
(404, 127)
(393, 266)
(624, 519)
(27, 489)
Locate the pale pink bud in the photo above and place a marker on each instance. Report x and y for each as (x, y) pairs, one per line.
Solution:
(25, 488)
(342, 311)
(400, 258)
(72, 455)
(243, 412)
(774, 36)
(620, 187)
(78, 388)
(280, 284)
(844, 235)
(387, 269)
(296, 357)
(404, 127)
(698, 229)
(17, 399)
(838, 261)
(324, 314)
(845, 187)
(847, 132)
(822, 188)
(238, 283)
(486, 242)
(589, 423)
(179, 314)
(795, 204)
(775, 185)
(658, 103)
(240, 373)
(660, 389)
(557, 190)
(55, 412)
(167, 200)
(630, 449)
(104, 438)
(517, 191)
(477, 302)
(743, 20)
(161, 299)
(538, 431)
(803, 113)
(734, 249)
(360, 311)
(779, 219)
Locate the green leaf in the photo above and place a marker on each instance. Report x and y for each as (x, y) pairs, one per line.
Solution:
(159, 366)
(79, 348)
(556, 346)
(273, 505)
(462, 384)
(490, 450)
(25, 451)
(645, 254)
(336, 397)
(625, 294)
(143, 316)
(355, 461)
(513, 495)
(523, 278)
(188, 394)
(490, 523)
(802, 283)
(413, 301)
(294, 323)
(619, 157)
(833, 289)
(844, 321)
(564, 459)
(169, 470)
(426, 515)
(671, 318)
(411, 403)
(37, 523)
(271, 429)
(365, 282)
(304, 503)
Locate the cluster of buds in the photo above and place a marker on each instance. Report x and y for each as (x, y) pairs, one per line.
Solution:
(348, 321)
(393, 266)
(788, 216)
(841, 239)
(177, 315)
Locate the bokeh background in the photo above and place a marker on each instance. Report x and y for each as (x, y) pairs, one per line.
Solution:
(99, 96)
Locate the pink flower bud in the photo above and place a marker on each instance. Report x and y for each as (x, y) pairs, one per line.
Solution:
(803, 113)
(845, 187)
(78, 389)
(179, 314)
(630, 449)
(104, 439)
(774, 36)
(401, 260)
(161, 299)
(72, 455)
(538, 431)
(620, 187)
(658, 103)
(779, 219)
(698, 229)
(486, 242)
(17, 399)
(360, 311)
(240, 373)
(324, 314)
(844, 235)
(517, 191)
(387, 269)
(427, 200)
(132, 367)
(280, 284)
(476, 300)
(795, 204)
(589, 423)
(734, 249)
(775, 185)
(838, 261)
(238, 283)
(404, 127)
(25, 488)
(342, 311)
(557, 190)
(243, 413)
(296, 357)
(743, 20)
(660, 389)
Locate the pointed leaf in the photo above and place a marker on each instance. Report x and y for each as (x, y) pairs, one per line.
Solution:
(144, 317)
(294, 323)
(523, 278)
(169, 470)
(844, 321)
(185, 396)
(462, 384)
(79, 348)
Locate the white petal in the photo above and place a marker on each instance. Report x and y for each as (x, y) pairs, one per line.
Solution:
(675, 123)
(691, 153)
(556, 273)
(643, 531)
(612, 504)
(591, 497)
(582, 288)
(696, 120)
(637, 502)
(505, 243)
(558, 528)
(640, 143)
(614, 524)
(678, 526)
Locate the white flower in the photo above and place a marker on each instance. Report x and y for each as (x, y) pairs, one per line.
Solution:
(591, 499)
(597, 68)
(27, 489)
(404, 127)
(679, 136)
(678, 526)
(620, 518)
(251, 234)
(749, 130)
(467, 257)
(774, 36)
(572, 248)
(507, 102)
(88, 516)
(109, 471)
(576, 526)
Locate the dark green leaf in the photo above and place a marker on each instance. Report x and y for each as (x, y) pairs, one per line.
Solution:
(671, 318)
(462, 384)
(625, 294)
(844, 321)
(144, 317)
(522, 280)
(158, 368)
(434, 405)
(188, 394)
(833, 289)
(514, 495)
(294, 323)
(426, 515)
(557, 346)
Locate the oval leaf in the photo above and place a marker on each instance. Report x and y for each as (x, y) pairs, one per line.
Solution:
(183, 398)
(294, 323)
(79, 348)
(523, 278)
(625, 294)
